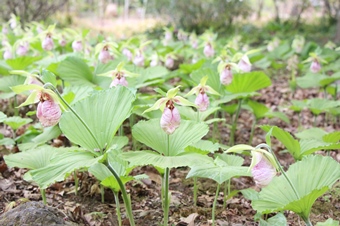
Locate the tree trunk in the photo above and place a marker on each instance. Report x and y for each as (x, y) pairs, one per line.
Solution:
(337, 35)
(126, 9)
(259, 10)
(277, 12)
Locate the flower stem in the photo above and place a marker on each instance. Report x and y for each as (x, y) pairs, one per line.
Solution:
(166, 187)
(126, 198)
(76, 181)
(166, 196)
(252, 131)
(50, 86)
(119, 216)
(280, 167)
(195, 191)
(226, 192)
(43, 195)
(214, 205)
(102, 193)
(233, 128)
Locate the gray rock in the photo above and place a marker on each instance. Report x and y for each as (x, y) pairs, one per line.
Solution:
(33, 214)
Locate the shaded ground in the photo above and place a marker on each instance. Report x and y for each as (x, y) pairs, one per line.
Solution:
(87, 209)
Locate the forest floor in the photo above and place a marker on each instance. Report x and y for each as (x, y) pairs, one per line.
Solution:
(86, 208)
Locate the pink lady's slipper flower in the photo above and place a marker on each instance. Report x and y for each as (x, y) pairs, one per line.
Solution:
(263, 164)
(244, 64)
(119, 75)
(262, 169)
(126, 52)
(202, 99)
(62, 41)
(77, 46)
(104, 55)
(208, 50)
(48, 44)
(169, 62)
(7, 54)
(48, 109)
(226, 75)
(315, 66)
(22, 49)
(171, 118)
(139, 59)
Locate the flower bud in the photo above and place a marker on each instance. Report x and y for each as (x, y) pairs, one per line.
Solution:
(7, 54)
(208, 50)
(48, 111)
(226, 76)
(263, 171)
(170, 119)
(48, 43)
(244, 64)
(62, 41)
(202, 101)
(315, 66)
(139, 60)
(168, 36)
(104, 55)
(22, 49)
(126, 52)
(4, 30)
(169, 62)
(77, 46)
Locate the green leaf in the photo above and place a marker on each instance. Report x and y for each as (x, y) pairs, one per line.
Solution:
(329, 222)
(203, 147)
(312, 177)
(2, 116)
(151, 134)
(213, 78)
(58, 169)
(250, 194)
(32, 159)
(103, 112)
(15, 122)
(190, 114)
(21, 63)
(259, 110)
(248, 82)
(75, 71)
(219, 170)
(277, 220)
(318, 105)
(7, 141)
(310, 146)
(286, 139)
(48, 134)
(141, 158)
(312, 133)
(10, 81)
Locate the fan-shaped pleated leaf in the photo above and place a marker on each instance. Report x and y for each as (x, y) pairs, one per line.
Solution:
(141, 158)
(103, 112)
(151, 134)
(75, 71)
(310, 146)
(311, 177)
(62, 165)
(20, 63)
(213, 78)
(248, 82)
(219, 170)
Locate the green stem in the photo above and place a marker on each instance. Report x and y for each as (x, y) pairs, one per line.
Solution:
(102, 193)
(214, 205)
(165, 186)
(119, 216)
(121, 130)
(195, 191)
(126, 198)
(226, 192)
(50, 86)
(132, 122)
(16, 110)
(307, 221)
(76, 181)
(280, 167)
(43, 195)
(215, 128)
(166, 196)
(233, 129)
(252, 131)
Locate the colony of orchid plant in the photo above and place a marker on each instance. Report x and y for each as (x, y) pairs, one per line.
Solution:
(172, 92)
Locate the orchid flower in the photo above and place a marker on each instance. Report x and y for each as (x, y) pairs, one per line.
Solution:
(244, 64)
(202, 100)
(49, 106)
(298, 43)
(263, 164)
(315, 60)
(171, 118)
(103, 49)
(119, 75)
